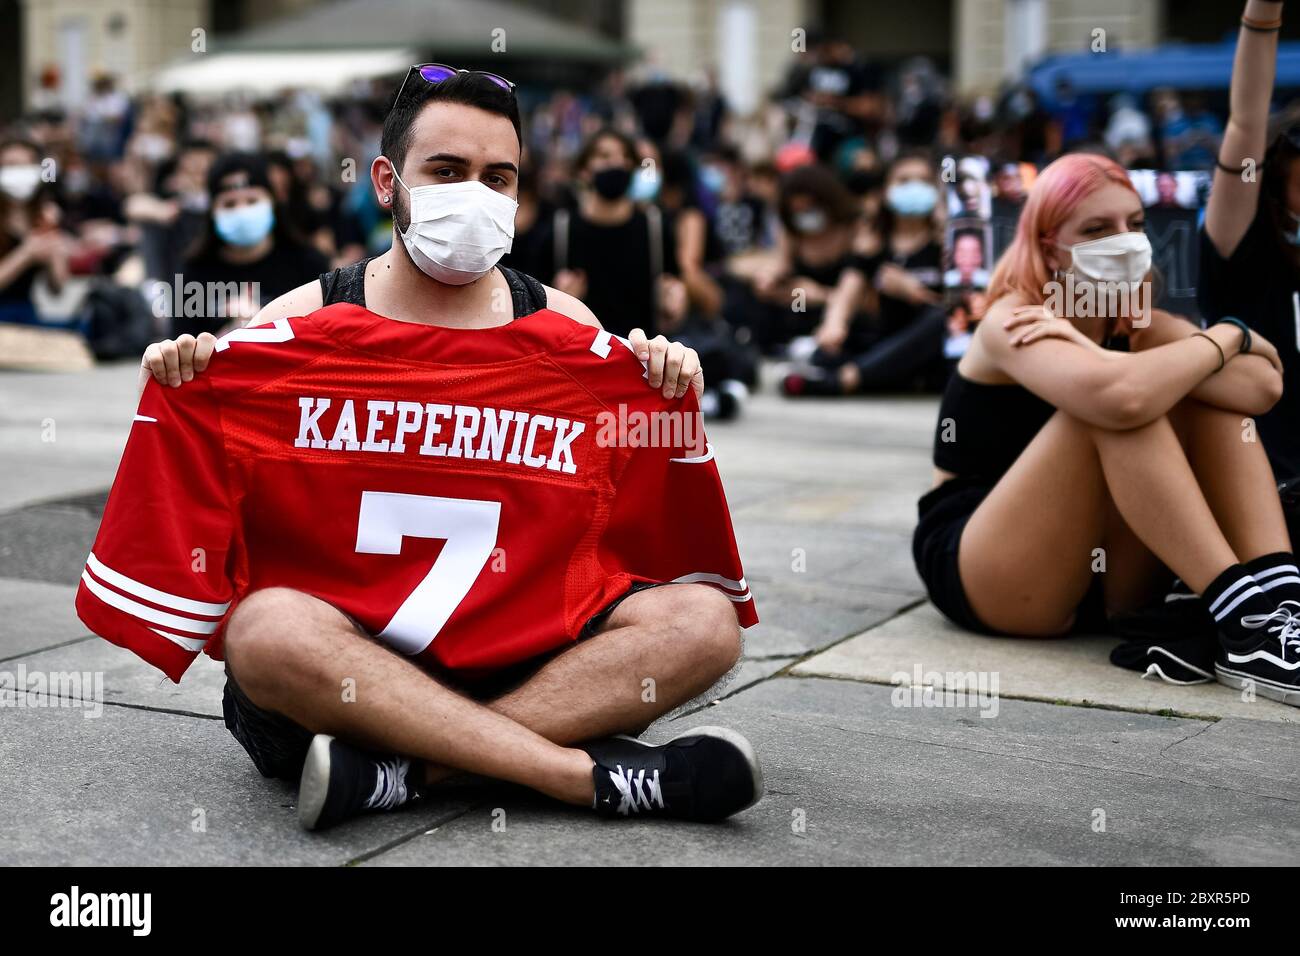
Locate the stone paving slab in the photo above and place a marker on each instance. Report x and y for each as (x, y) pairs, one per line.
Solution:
(123, 790)
(129, 680)
(35, 616)
(876, 784)
(872, 783)
(794, 624)
(63, 433)
(46, 543)
(851, 555)
(1074, 670)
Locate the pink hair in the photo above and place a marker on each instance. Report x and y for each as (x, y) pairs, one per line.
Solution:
(1055, 195)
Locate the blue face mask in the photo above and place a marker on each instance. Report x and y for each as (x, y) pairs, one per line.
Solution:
(912, 199)
(645, 185)
(713, 178)
(245, 225)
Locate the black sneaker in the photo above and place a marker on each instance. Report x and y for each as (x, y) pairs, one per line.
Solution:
(704, 774)
(1270, 664)
(339, 782)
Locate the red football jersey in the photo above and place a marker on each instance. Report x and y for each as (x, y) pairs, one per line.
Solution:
(471, 496)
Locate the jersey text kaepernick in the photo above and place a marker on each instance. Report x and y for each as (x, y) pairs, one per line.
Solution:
(469, 497)
(452, 431)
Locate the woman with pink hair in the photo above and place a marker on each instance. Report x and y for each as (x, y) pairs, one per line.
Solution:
(1085, 432)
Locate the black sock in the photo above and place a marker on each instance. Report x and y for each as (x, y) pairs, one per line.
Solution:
(1233, 596)
(1277, 576)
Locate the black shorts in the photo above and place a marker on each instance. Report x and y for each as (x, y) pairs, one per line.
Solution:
(942, 514)
(279, 746)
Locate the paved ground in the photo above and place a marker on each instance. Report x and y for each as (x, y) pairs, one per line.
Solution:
(1073, 761)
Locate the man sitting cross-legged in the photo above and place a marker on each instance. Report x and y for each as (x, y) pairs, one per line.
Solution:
(429, 537)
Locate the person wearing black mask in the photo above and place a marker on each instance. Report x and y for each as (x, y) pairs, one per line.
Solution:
(618, 258)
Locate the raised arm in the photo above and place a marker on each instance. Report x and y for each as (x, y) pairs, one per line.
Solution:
(1235, 196)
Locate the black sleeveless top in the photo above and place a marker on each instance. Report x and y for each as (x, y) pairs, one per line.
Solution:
(982, 429)
(348, 284)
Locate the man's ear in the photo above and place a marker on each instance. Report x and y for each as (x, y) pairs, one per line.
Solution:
(385, 182)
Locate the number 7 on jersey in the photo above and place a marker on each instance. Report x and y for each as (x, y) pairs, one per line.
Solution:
(470, 529)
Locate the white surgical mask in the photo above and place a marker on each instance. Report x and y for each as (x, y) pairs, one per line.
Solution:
(20, 182)
(1123, 257)
(458, 231)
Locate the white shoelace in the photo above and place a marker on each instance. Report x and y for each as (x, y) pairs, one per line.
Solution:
(390, 785)
(1287, 628)
(636, 791)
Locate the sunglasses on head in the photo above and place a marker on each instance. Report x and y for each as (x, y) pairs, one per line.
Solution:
(433, 73)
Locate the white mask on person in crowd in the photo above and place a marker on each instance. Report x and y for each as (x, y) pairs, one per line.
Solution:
(458, 231)
(20, 182)
(809, 221)
(1123, 257)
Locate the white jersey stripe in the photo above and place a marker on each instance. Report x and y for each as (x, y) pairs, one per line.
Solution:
(145, 613)
(698, 459)
(173, 601)
(194, 644)
(702, 577)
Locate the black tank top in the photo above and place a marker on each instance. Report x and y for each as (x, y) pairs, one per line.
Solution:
(982, 429)
(348, 284)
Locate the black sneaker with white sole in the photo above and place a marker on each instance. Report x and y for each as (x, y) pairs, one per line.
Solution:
(704, 774)
(340, 782)
(1271, 663)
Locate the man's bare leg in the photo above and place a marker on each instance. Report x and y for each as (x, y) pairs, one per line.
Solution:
(657, 650)
(302, 658)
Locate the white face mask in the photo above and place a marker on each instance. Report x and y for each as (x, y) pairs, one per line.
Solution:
(458, 231)
(20, 182)
(1123, 257)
